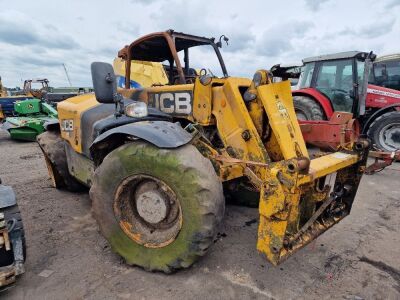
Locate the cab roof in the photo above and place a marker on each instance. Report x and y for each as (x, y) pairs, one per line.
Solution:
(155, 46)
(340, 55)
(388, 57)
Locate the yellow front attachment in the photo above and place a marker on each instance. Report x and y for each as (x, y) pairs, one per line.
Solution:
(299, 198)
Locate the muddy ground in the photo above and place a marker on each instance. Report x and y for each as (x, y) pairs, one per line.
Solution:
(69, 259)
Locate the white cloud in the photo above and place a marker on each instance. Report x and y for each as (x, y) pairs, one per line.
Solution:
(36, 37)
(315, 5)
(279, 39)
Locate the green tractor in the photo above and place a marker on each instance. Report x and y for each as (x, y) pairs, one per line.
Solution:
(32, 114)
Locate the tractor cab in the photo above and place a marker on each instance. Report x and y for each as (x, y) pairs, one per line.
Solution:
(338, 78)
(386, 72)
(341, 83)
(180, 54)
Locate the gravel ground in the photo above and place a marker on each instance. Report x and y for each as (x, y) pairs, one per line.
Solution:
(69, 259)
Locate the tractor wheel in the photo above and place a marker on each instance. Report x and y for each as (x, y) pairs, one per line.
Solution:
(158, 208)
(52, 146)
(12, 217)
(385, 131)
(307, 109)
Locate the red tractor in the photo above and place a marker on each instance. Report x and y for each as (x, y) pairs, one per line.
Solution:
(338, 83)
(386, 71)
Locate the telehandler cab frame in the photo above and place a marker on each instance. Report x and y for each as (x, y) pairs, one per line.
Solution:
(156, 159)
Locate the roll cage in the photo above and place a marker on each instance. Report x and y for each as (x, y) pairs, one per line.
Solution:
(36, 92)
(164, 46)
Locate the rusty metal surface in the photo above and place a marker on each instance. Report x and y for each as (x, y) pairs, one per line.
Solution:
(338, 133)
(8, 273)
(382, 160)
(7, 276)
(137, 220)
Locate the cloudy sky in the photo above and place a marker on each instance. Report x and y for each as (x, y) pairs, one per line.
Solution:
(36, 37)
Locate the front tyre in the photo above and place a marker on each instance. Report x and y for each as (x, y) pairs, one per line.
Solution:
(307, 109)
(158, 208)
(52, 146)
(385, 131)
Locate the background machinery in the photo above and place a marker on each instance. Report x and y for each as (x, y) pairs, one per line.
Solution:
(32, 88)
(158, 159)
(386, 71)
(335, 83)
(29, 119)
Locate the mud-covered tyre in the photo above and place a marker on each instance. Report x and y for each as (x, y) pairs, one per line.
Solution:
(307, 109)
(52, 146)
(385, 131)
(130, 192)
(12, 217)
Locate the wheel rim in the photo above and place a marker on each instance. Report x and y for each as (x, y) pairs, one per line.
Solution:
(301, 115)
(389, 137)
(148, 211)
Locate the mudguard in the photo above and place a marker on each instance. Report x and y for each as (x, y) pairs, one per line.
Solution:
(162, 134)
(52, 125)
(377, 114)
(7, 196)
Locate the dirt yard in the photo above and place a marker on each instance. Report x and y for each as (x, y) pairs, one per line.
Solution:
(68, 258)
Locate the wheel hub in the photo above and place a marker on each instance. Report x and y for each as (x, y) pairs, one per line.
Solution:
(148, 211)
(391, 136)
(151, 206)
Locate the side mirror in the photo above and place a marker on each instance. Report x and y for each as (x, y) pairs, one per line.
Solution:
(219, 43)
(104, 82)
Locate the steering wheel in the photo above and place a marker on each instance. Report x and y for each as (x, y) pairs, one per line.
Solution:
(203, 72)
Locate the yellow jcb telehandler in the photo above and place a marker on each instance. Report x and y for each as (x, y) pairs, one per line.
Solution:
(156, 159)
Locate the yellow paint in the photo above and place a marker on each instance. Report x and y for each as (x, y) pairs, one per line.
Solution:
(145, 73)
(328, 164)
(278, 103)
(72, 109)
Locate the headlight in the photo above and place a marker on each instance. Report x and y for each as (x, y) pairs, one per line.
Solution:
(136, 110)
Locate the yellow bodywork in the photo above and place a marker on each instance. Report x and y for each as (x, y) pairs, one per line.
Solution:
(262, 142)
(71, 110)
(143, 73)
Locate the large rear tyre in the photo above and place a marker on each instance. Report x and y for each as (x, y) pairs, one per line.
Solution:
(307, 109)
(52, 146)
(385, 131)
(158, 208)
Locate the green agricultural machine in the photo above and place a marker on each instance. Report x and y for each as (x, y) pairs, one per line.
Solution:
(31, 115)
